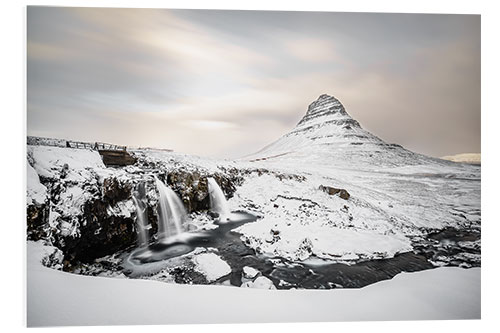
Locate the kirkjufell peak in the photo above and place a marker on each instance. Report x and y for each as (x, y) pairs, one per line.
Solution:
(323, 106)
(327, 133)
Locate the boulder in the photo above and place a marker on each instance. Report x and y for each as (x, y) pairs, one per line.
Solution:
(333, 191)
(250, 272)
(260, 283)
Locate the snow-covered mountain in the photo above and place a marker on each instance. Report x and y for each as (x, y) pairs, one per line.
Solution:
(327, 134)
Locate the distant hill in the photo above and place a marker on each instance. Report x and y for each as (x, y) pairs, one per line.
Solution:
(470, 158)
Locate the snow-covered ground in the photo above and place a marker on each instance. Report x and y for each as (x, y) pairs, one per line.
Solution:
(58, 298)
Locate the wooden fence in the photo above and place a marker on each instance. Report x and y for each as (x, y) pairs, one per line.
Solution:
(38, 141)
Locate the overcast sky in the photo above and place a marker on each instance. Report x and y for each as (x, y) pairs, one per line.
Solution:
(227, 83)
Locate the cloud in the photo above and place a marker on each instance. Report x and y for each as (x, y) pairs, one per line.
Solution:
(314, 50)
(227, 83)
(210, 125)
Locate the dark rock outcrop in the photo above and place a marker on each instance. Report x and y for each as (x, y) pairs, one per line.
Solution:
(117, 157)
(114, 191)
(100, 234)
(324, 105)
(333, 191)
(192, 187)
(36, 217)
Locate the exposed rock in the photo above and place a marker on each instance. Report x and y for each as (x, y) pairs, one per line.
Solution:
(113, 190)
(117, 157)
(36, 216)
(188, 275)
(99, 234)
(333, 191)
(324, 105)
(304, 250)
(192, 187)
(213, 215)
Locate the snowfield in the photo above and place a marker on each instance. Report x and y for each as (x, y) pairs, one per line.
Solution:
(56, 298)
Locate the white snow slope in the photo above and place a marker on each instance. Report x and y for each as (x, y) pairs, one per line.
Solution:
(56, 298)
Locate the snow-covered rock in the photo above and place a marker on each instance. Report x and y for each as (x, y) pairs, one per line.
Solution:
(298, 242)
(72, 164)
(36, 193)
(211, 266)
(259, 283)
(250, 272)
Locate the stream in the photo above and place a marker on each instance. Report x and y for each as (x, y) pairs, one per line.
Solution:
(448, 247)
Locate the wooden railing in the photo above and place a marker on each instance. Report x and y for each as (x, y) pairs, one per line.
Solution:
(38, 141)
(109, 146)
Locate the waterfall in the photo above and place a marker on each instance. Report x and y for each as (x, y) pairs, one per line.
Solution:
(218, 202)
(143, 226)
(171, 212)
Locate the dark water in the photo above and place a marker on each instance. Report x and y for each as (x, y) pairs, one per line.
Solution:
(286, 274)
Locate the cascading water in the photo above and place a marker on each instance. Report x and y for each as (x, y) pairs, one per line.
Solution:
(171, 212)
(150, 258)
(139, 198)
(218, 202)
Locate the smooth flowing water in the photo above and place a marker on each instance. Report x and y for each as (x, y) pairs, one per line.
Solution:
(139, 198)
(218, 202)
(172, 240)
(171, 212)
